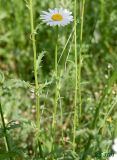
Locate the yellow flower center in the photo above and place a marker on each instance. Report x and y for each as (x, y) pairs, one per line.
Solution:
(57, 17)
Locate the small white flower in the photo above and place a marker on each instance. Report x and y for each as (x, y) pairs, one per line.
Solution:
(57, 17)
(114, 157)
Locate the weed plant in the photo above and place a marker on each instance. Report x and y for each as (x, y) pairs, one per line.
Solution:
(58, 86)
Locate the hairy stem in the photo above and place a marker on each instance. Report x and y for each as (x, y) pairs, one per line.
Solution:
(35, 66)
(56, 83)
(80, 58)
(75, 120)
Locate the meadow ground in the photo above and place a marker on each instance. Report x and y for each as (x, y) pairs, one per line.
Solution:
(58, 85)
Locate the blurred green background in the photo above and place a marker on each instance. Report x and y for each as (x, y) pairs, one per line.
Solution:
(99, 64)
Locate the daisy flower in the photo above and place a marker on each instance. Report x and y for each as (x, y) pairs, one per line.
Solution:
(57, 17)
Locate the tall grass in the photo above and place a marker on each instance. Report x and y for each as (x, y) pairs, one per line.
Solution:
(77, 99)
(74, 97)
(80, 57)
(110, 83)
(33, 32)
(75, 124)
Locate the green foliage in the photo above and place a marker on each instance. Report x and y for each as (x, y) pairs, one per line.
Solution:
(97, 126)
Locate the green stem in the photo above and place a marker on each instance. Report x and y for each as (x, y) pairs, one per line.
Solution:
(56, 91)
(35, 67)
(8, 149)
(102, 9)
(61, 111)
(56, 85)
(80, 58)
(76, 77)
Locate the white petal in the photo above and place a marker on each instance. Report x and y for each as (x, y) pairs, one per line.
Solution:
(115, 141)
(56, 10)
(114, 147)
(113, 157)
(51, 11)
(50, 23)
(45, 13)
(61, 10)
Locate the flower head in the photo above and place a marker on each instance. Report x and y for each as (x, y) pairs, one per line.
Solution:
(57, 17)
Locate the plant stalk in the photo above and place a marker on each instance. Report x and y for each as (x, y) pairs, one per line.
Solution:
(102, 9)
(8, 149)
(80, 58)
(75, 120)
(35, 67)
(56, 83)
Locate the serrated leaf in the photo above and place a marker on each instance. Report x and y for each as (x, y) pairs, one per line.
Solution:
(39, 59)
(16, 83)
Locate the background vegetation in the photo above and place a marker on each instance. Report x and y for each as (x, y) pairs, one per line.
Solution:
(97, 125)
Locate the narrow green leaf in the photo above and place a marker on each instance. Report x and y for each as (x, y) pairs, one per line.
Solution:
(13, 125)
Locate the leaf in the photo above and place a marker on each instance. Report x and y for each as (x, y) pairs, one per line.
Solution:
(5, 38)
(13, 125)
(39, 59)
(5, 155)
(2, 134)
(14, 153)
(16, 83)
(1, 77)
(3, 15)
